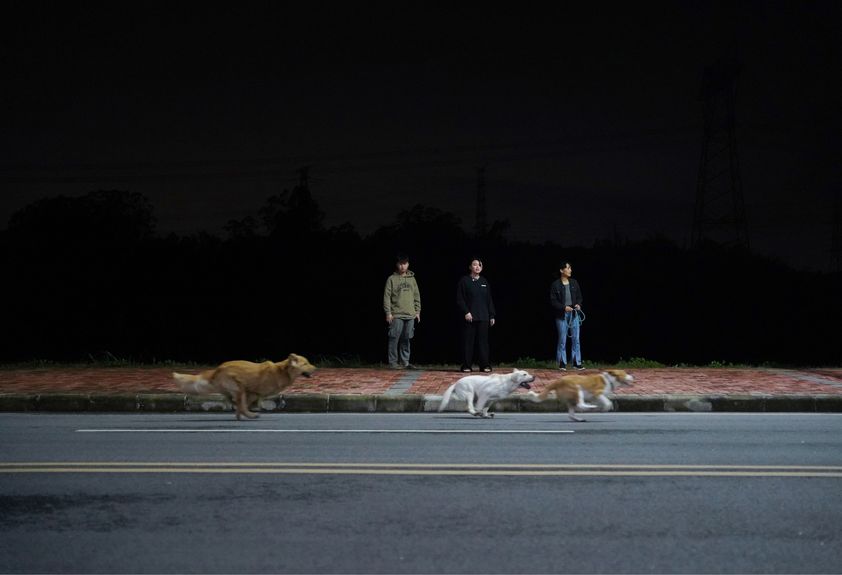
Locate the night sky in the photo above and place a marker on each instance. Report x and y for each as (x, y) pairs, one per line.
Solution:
(588, 121)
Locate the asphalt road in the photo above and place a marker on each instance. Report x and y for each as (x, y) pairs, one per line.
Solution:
(430, 493)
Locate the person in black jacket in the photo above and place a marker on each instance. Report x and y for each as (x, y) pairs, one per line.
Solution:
(473, 297)
(566, 299)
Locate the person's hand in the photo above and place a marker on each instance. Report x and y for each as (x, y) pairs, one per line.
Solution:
(568, 308)
(491, 323)
(469, 317)
(418, 317)
(389, 318)
(578, 307)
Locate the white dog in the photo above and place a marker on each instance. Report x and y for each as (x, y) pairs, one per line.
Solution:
(481, 390)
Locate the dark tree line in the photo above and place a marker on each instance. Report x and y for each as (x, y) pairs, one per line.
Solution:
(88, 276)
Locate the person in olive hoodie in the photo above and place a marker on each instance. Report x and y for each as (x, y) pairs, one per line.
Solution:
(402, 306)
(473, 297)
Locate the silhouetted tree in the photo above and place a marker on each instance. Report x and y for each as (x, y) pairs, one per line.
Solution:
(87, 276)
(77, 272)
(292, 214)
(245, 229)
(98, 220)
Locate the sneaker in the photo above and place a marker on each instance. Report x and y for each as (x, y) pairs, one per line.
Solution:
(486, 370)
(562, 367)
(395, 366)
(466, 370)
(409, 366)
(579, 367)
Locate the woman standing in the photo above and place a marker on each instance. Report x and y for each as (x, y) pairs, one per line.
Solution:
(473, 297)
(566, 299)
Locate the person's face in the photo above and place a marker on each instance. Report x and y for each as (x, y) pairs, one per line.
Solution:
(567, 271)
(476, 267)
(402, 267)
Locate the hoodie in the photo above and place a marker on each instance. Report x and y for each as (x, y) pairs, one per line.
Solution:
(401, 297)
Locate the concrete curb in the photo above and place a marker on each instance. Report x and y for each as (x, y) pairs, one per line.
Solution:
(396, 403)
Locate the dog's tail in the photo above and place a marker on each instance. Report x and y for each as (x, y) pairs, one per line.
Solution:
(536, 397)
(193, 384)
(445, 399)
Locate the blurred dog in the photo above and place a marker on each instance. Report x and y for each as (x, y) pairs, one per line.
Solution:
(244, 382)
(575, 389)
(481, 390)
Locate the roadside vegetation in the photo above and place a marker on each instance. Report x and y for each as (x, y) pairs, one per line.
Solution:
(109, 361)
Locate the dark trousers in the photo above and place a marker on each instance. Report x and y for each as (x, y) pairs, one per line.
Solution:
(475, 334)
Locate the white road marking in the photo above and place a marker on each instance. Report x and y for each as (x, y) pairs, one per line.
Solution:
(420, 431)
(430, 469)
(579, 466)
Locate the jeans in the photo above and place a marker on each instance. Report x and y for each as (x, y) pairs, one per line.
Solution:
(400, 332)
(570, 322)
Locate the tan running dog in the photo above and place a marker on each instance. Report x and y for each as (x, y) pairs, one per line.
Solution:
(244, 382)
(575, 389)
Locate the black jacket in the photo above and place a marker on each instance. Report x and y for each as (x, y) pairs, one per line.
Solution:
(557, 296)
(475, 297)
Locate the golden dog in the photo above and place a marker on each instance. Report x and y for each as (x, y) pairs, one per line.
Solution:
(244, 382)
(574, 389)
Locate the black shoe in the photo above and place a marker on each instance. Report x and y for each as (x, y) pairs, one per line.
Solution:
(409, 366)
(396, 366)
(579, 367)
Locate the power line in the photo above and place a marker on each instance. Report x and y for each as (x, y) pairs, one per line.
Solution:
(279, 167)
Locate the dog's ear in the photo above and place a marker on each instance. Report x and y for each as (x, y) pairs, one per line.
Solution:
(293, 358)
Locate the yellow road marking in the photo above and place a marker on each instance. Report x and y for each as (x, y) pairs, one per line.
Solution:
(414, 465)
(429, 469)
(443, 472)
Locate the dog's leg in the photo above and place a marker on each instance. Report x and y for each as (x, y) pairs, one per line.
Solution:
(243, 407)
(571, 413)
(471, 409)
(605, 403)
(580, 403)
(253, 401)
(482, 406)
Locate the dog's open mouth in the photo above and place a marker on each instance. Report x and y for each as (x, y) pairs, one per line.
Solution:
(525, 385)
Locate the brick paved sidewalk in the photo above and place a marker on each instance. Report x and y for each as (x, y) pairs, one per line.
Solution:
(649, 382)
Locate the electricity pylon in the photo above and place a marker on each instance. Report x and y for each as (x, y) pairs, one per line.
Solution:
(720, 213)
(481, 222)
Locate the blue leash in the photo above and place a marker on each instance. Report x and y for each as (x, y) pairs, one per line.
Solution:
(581, 315)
